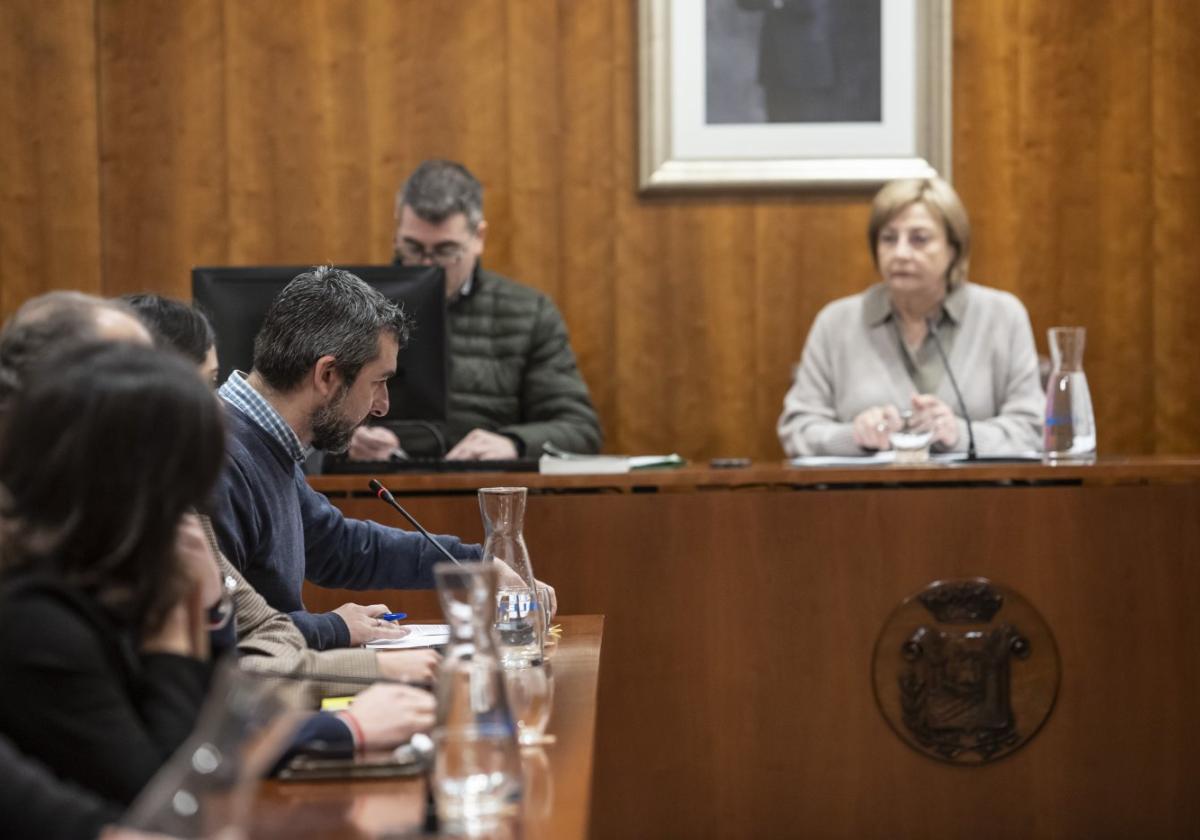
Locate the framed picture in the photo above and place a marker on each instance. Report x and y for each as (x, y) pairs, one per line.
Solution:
(810, 94)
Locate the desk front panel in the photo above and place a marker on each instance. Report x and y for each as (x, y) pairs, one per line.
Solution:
(735, 693)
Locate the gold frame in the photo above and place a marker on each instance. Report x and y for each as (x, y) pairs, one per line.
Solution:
(661, 170)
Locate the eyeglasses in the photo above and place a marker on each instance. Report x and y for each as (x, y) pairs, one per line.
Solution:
(444, 254)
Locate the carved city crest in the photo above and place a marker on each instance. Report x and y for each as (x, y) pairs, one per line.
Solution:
(953, 662)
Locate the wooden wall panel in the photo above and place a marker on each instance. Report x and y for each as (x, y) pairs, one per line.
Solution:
(296, 162)
(1176, 257)
(279, 131)
(163, 156)
(589, 186)
(1053, 170)
(49, 183)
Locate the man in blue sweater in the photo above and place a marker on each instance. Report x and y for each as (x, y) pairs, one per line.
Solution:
(322, 360)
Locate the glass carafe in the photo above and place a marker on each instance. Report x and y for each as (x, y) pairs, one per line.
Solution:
(477, 766)
(1070, 430)
(520, 619)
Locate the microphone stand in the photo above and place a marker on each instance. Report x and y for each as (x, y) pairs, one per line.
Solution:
(383, 493)
(962, 404)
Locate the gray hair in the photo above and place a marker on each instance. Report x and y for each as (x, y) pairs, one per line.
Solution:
(43, 324)
(324, 312)
(438, 189)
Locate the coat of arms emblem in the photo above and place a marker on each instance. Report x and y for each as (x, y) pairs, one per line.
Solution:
(952, 664)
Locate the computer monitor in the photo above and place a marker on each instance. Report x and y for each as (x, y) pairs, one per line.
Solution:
(236, 299)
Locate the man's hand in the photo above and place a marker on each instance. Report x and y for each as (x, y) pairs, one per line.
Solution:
(932, 415)
(388, 715)
(365, 625)
(420, 665)
(547, 597)
(873, 427)
(506, 576)
(372, 443)
(480, 445)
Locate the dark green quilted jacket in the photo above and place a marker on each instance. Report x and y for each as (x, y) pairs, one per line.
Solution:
(512, 370)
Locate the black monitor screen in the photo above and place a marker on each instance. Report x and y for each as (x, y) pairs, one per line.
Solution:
(236, 300)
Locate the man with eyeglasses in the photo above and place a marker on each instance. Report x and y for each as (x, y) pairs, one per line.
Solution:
(513, 384)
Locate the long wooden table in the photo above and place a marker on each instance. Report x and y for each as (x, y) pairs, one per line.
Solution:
(557, 776)
(743, 606)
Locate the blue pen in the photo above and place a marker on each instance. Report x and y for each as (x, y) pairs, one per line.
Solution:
(393, 616)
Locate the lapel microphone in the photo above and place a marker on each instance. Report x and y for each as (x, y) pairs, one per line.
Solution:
(962, 404)
(382, 492)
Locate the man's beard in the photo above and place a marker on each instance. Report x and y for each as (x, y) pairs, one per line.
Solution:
(331, 430)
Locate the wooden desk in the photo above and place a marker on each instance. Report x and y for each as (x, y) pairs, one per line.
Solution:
(558, 777)
(743, 607)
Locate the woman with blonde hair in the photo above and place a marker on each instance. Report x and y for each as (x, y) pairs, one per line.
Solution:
(872, 362)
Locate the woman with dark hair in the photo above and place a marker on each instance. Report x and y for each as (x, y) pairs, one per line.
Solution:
(103, 630)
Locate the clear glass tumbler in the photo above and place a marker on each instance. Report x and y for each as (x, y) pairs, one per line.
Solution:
(910, 445)
(530, 699)
(477, 775)
(477, 765)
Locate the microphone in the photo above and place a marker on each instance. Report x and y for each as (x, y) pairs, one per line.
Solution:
(382, 492)
(347, 679)
(962, 404)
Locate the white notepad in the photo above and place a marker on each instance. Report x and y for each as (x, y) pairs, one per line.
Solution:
(419, 636)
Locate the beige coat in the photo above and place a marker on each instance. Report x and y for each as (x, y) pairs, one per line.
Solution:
(852, 361)
(268, 641)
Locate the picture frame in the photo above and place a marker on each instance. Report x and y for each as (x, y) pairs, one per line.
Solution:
(682, 149)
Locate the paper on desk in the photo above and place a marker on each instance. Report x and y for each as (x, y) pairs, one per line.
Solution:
(419, 636)
(844, 460)
(889, 456)
(603, 464)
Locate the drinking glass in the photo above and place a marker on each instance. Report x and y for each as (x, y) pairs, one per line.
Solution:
(910, 445)
(530, 699)
(476, 774)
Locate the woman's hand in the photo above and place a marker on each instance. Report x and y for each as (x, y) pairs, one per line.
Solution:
(929, 414)
(873, 427)
(185, 629)
(387, 715)
(420, 665)
(197, 560)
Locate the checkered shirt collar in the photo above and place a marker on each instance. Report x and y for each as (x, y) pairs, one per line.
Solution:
(241, 395)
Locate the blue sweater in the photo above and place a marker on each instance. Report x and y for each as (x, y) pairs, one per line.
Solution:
(277, 531)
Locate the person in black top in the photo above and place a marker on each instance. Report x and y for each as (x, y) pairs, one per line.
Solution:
(35, 804)
(103, 629)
